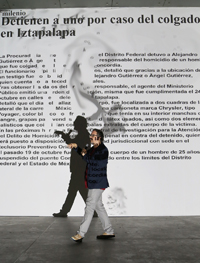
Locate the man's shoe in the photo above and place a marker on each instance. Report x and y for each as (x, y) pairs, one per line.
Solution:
(105, 236)
(77, 238)
(60, 214)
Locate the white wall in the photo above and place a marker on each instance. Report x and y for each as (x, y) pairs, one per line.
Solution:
(155, 173)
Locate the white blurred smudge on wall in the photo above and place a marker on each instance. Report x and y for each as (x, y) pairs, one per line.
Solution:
(82, 57)
(117, 202)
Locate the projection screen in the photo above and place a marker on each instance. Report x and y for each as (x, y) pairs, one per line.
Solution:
(132, 72)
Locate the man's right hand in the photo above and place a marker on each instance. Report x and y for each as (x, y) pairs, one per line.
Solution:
(72, 145)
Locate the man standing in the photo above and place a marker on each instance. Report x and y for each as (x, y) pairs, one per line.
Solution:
(96, 181)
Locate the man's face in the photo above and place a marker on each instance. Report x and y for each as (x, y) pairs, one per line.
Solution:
(94, 138)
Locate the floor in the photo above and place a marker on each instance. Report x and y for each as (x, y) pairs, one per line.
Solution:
(138, 240)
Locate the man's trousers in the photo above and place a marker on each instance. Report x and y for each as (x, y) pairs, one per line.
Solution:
(94, 202)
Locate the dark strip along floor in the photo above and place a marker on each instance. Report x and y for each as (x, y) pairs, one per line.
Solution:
(138, 240)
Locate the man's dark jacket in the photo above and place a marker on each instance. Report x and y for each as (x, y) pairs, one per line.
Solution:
(96, 166)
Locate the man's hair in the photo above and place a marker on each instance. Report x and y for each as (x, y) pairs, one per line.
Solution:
(99, 134)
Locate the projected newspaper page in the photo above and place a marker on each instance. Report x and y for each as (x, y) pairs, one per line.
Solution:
(132, 72)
